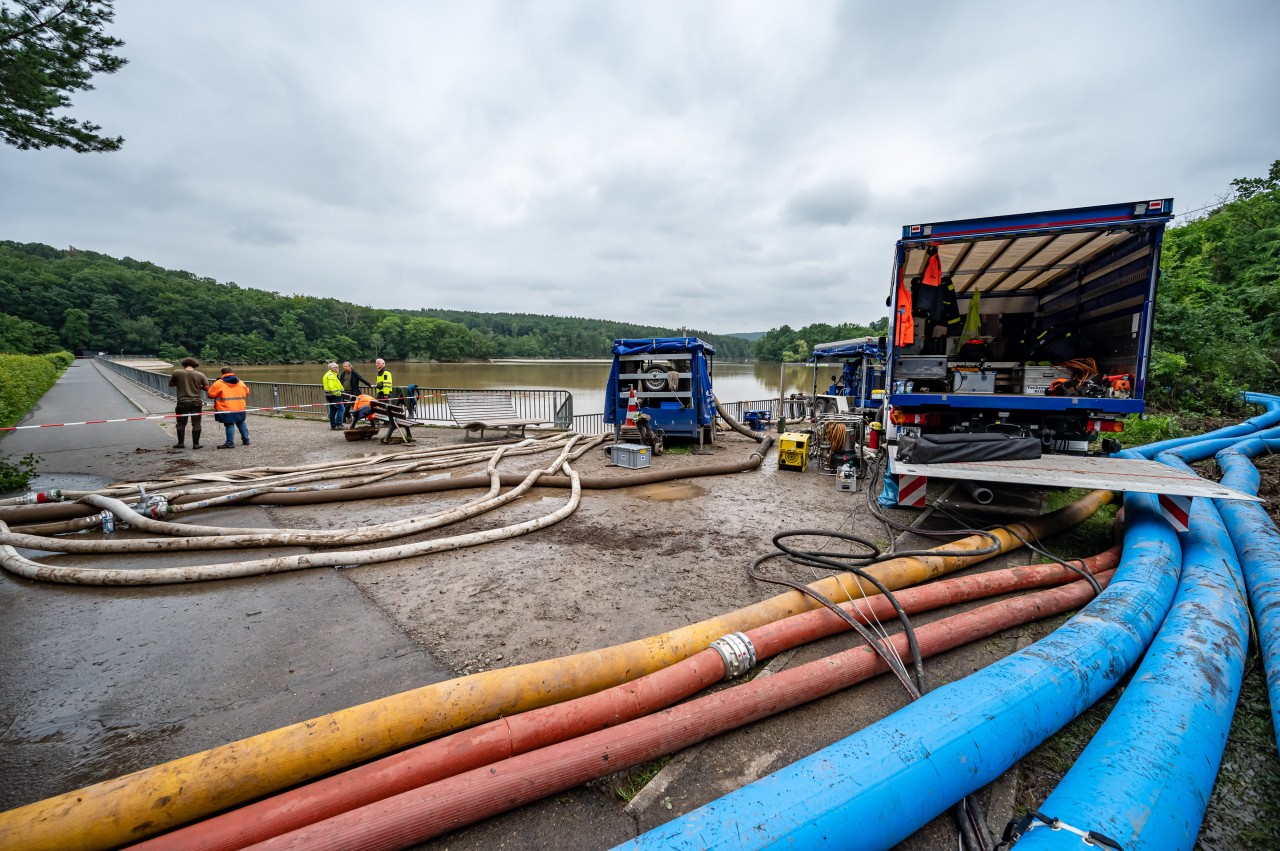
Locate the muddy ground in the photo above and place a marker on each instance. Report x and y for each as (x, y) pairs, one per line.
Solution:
(628, 564)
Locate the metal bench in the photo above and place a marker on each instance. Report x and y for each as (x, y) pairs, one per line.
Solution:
(478, 411)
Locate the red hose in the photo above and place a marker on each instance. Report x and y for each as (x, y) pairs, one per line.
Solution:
(506, 737)
(411, 817)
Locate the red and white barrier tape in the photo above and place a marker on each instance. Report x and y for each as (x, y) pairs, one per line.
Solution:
(175, 416)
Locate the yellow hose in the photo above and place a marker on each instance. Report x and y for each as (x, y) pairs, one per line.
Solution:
(130, 808)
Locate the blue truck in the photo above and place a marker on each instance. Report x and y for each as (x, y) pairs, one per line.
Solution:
(1037, 325)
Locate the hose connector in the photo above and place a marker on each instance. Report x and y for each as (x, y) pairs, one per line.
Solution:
(737, 652)
(40, 498)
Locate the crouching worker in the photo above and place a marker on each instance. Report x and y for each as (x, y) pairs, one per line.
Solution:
(229, 395)
(362, 409)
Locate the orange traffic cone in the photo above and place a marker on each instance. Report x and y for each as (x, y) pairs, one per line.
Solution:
(632, 410)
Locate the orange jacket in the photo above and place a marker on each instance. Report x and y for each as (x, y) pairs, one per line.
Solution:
(904, 328)
(228, 395)
(932, 271)
(362, 400)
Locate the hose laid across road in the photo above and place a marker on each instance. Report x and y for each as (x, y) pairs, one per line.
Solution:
(516, 734)
(137, 805)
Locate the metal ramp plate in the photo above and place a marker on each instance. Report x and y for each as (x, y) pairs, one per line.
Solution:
(1075, 471)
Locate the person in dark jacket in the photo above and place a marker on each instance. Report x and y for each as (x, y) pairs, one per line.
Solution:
(189, 385)
(230, 398)
(351, 383)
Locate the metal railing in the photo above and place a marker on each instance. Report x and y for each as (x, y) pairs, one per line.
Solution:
(552, 407)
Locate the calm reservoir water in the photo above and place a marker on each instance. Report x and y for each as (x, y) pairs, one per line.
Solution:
(733, 382)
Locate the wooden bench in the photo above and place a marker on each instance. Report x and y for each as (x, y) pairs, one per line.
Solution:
(478, 411)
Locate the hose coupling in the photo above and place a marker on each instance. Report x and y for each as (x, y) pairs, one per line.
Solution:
(737, 652)
(40, 498)
(154, 507)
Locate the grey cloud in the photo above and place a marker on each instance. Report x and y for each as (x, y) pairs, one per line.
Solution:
(833, 202)
(263, 234)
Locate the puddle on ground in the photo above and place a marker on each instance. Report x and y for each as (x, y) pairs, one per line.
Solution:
(669, 491)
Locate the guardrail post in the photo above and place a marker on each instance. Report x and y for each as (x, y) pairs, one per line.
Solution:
(275, 395)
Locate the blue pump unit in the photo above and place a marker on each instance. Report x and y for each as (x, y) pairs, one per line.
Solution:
(687, 411)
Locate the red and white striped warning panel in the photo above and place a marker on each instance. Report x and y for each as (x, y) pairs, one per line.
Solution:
(911, 490)
(1177, 510)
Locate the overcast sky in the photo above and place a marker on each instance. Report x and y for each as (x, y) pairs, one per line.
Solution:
(724, 166)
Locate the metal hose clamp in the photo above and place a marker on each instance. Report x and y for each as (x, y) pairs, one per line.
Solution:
(737, 652)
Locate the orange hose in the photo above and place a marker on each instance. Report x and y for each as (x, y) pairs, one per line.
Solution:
(429, 811)
(507, 737)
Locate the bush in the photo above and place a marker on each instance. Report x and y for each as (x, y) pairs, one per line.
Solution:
(16, 475)
(61, 360)
(23, 380)
(1138, 432)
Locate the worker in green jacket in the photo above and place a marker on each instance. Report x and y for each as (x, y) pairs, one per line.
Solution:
(332, 385)
(382, 384)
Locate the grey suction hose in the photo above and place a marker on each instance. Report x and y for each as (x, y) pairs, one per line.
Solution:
(58, 511)
(757, 436)
(15, 563)
(191, 537)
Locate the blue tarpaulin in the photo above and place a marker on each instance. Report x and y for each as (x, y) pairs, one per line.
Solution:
(667, 415)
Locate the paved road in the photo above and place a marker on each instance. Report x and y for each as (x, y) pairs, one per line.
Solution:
(95, 683)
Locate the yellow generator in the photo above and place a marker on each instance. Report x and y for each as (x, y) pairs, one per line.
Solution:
(793, 451)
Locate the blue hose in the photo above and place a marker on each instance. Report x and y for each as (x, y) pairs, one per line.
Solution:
(1258, 544)
(960, 737)
(883, 783)
(1145, 778)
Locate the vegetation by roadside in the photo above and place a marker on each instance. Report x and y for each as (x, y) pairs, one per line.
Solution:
(23, 380)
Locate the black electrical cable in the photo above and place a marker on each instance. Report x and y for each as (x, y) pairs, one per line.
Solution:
(842, 561)
(889, 659)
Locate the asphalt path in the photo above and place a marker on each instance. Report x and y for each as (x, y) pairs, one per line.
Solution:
(98, 682)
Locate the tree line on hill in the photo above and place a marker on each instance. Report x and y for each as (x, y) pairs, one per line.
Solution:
(54, 298)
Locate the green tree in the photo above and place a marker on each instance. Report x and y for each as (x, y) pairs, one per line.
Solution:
(49, 49)
(75, 328)
(290, 339)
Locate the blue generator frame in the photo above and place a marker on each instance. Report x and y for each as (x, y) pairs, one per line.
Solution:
(688, 411)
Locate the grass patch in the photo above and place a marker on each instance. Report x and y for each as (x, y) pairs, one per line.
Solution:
(682, 449)
(1087, 539)
(639, 778)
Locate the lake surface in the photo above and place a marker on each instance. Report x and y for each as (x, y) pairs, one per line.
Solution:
(733, 381)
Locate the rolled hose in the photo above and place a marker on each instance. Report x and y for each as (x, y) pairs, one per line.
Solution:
(146, 802)
(66, 511)
(528, 731)
(429, 811)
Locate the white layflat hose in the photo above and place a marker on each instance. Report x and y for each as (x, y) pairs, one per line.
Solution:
(192, 537)
(13, 562)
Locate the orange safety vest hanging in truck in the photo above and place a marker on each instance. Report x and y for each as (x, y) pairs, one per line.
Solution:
(904, 330)
(932, 269)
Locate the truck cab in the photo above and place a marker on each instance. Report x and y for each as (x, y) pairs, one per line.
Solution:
(1037, 325)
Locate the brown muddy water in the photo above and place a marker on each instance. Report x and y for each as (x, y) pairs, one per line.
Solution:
(585, 379)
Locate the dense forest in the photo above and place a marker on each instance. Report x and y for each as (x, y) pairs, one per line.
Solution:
(785, 344)
(55, 298)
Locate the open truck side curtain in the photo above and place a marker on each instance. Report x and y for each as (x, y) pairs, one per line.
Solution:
(644, 365)
(861, 374)
(1066, 318)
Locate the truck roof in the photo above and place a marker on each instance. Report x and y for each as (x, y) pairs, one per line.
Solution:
(1029, 251)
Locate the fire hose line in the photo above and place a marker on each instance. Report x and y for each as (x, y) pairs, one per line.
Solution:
(185, 501)
(757, 436)
(147, 802)
(429, 811)
(445, 457)
(507, 737)
(10, 559)
(29, 514)
(194, 537)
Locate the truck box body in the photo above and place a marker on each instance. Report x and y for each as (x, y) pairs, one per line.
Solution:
(1055, 288)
